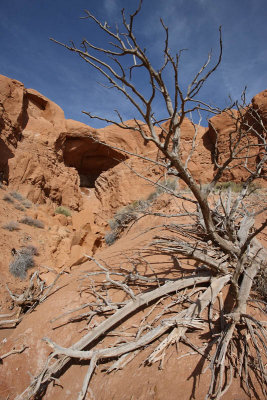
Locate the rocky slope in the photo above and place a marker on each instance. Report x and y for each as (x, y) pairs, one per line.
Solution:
(47, 161)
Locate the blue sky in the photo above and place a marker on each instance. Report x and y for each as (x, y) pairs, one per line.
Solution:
(28, 56)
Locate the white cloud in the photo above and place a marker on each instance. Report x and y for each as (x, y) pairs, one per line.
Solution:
(110, 7)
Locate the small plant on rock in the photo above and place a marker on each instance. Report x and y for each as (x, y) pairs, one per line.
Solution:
(127, 214)
(63, 210)
(111, 237)
(32, 222)
(19, 207)
(17, 196)
(167, 186)
(8, 199)
(21, 263)
(235, 187)
(30, 249)
(27, 203)
(11, 226)
(123, 217)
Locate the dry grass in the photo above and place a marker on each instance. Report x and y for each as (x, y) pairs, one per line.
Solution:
(11, 226)
(32, 222)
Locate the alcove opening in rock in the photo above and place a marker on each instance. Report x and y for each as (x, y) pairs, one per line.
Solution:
(89, 158)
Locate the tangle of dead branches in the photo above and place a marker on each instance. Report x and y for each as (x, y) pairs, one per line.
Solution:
(221, 237)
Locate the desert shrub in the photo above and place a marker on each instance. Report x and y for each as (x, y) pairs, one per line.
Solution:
(11, 226)
(27, 203)
(63, 210)
(235, 187)
(17, 196)
(152, 196)
(254, 186)
(7, 198)
(29, 250)
(111, 237)
(20, 264)
(166, 186)
(169, 184)
(19, 207)
(123, 217)
(127, 214)
(32, 222)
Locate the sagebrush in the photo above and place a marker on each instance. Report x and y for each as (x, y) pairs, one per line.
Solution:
(11, 226)
(32, 222)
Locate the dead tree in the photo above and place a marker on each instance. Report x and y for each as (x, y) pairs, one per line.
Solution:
(222, 236)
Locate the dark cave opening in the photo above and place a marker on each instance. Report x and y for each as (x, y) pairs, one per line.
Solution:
(89, 158)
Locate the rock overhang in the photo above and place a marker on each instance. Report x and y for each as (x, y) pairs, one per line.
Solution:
(89, 157)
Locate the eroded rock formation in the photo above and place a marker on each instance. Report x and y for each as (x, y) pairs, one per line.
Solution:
(48, 157)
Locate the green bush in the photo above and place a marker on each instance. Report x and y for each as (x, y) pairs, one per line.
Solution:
(32, 222)
(63, 210)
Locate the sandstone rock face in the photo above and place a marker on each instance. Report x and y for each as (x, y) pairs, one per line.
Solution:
(126, 139)
(224, 132)
(259, 103)
(200, 163)
(46, 119)
(48, 158)
(12, 119)
(83, 151)
(120, 186)
(12, 111)
(31, 161)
